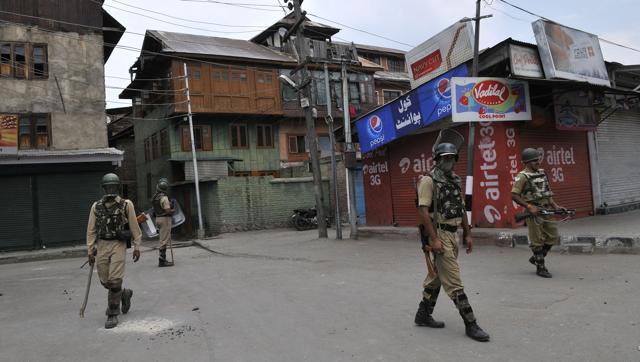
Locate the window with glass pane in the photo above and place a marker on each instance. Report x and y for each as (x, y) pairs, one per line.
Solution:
(5, 60)
(354, 92)
(197, 137)
(395, 65)
(39, 61)
(20, 60)
(42, 131)
(239, 137)
(33, 131)
(324, 144)
(264, 136)
(321, 92)
(296, 144)
(389, 95)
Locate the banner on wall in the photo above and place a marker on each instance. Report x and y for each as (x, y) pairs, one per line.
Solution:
(490, 99)
(8, 134)
(574, 111)
(418, 108)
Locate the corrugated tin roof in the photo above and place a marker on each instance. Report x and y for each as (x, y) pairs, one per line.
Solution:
(396, 76)
(221, 47)
(375, 48)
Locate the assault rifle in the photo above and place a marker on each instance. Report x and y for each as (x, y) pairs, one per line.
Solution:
(545, 212)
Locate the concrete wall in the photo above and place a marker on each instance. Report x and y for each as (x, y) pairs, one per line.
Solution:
(77, 62)
(248, 203)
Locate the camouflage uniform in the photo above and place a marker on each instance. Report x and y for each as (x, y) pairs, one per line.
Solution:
(533, 186)
(447, 218)
(106, 216)
(162, 209)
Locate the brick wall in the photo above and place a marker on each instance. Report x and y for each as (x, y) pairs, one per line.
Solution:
(249, 203)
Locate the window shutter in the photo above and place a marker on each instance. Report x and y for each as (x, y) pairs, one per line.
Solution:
(186, 139)
(206, 138)
(293, 144)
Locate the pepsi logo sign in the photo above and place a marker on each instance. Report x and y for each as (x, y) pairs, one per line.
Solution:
(375, 124)
(443, 87)
(490, 92)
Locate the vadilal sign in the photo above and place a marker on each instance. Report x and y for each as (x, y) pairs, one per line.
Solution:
(490, 99)
(441, 53)
(570, 53)
(8, 134)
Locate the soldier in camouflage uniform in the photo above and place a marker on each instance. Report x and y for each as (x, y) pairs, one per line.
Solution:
(163, 210)
(441, 208)
(532, 190)
(112, 224)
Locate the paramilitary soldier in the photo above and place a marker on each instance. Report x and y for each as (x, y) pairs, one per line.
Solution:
(112, 225)
(162, 209)
(531, 190)
(440, 195)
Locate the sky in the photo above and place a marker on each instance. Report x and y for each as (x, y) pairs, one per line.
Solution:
(404, 23)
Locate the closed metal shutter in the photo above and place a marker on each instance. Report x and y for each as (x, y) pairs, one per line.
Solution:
(566, 161)
(64, 201)
(410, 158)
(16, 213)
(618, 155)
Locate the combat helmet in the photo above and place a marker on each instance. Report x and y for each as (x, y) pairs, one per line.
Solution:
(530, 154)
(444, 149)
(111, 184)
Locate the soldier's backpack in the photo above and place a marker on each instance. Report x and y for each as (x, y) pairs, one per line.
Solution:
(111, 221)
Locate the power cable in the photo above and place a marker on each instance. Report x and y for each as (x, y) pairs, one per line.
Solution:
(189, 20)
(360, 30)
(181, 25)
(240, 5)
(544, 18)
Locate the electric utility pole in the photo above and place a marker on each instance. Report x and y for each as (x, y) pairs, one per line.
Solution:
(472, 125)
(349, 149)
(310, 121)
(200, 232)
(332, 139)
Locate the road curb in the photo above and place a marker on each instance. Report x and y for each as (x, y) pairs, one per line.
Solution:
(569, 243)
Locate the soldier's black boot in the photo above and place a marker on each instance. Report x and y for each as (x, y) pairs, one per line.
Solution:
(541, 270)
(424, 318)
(162, 260)
(112, 316)
(126, 300)
(472, 329)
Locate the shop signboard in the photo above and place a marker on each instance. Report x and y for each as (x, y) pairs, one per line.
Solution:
(570, 53)
(8, 134)
(444, 51)
(525, 62)
(490, 99)
(418, 108)
(574, 111)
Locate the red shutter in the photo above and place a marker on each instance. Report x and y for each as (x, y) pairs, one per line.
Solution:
(206, 138)
(186, 138)
(377, 187)
(566, 161)
(410, 158)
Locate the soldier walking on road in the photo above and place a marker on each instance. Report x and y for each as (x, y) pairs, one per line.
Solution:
(532, 191)
(112, 226)
(163, 210)
(440, 195)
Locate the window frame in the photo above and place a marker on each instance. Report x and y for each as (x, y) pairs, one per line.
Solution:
(33, 119)
(265, 144)
(235, 128)
(26, 70)
(297, 144)
(385, 100)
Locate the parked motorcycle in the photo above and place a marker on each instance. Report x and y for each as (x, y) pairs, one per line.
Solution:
(305, 219)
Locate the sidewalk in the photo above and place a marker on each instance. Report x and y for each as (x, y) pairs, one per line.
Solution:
(614, 233)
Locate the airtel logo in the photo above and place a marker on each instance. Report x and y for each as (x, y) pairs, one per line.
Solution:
(490, 92)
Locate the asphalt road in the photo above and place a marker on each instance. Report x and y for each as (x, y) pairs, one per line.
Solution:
(285, 296)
